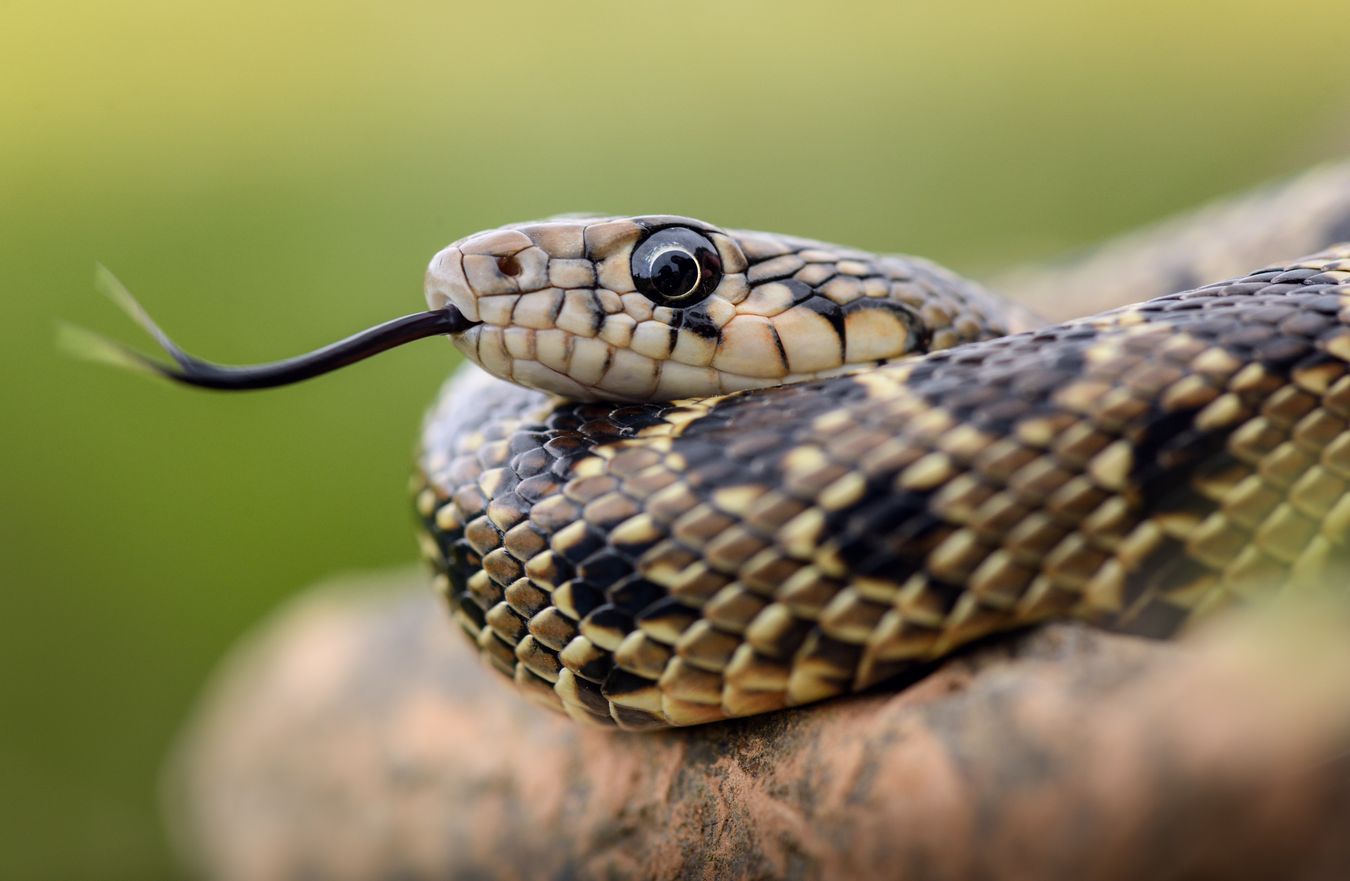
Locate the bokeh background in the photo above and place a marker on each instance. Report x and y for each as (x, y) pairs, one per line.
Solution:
(271, 176)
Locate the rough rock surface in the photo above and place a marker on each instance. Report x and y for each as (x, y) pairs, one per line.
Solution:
(357, 736)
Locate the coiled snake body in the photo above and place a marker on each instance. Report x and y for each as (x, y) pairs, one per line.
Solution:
(752, 471)
(670, 563)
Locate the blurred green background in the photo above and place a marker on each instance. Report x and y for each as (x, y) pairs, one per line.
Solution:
(268, 177)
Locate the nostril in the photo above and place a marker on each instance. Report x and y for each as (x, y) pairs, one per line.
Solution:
(508, 265)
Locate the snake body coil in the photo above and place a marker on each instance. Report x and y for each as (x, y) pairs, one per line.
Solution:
(676, 562)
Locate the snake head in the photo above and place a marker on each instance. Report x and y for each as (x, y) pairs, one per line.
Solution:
(634, 308)
(663, 307)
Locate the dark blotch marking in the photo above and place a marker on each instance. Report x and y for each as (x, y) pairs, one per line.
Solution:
(605, 567)
(590, 542)
(611, 617)
(586, 597)
(1158, 620)
(636, 594)
(801, 291)
(620, 682)
(697, 320)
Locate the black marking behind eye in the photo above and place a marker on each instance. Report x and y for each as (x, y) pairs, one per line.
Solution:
(697, 320)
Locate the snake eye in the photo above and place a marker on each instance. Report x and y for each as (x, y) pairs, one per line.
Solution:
(676, 267)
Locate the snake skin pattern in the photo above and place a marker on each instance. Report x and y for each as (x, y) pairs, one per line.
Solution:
(677, 562)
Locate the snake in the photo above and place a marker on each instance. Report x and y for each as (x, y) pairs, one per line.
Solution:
(695, 473)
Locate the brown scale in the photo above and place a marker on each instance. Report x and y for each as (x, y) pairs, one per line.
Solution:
(664, 564)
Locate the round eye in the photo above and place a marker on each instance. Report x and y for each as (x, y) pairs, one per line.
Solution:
(676, 267)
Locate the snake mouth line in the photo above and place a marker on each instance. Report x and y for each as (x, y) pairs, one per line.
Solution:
(190, 370)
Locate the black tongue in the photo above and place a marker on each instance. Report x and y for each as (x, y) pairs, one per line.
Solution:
(191, 370)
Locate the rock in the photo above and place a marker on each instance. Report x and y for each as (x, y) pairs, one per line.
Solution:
(357, 736)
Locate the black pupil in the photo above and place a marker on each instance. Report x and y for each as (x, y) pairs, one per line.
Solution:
(674, 273)
(676, 267)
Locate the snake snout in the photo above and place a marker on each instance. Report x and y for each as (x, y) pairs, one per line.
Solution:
(446, 284)
(485, 272)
